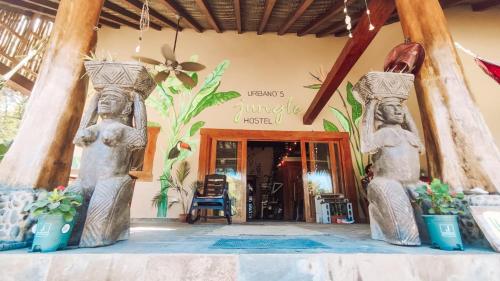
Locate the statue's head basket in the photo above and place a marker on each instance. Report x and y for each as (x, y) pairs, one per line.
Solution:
(381, 85)
(128, 76)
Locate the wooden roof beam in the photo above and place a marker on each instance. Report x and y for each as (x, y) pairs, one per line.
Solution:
(484, 5)
(46, 8)
(176, 8)
(334, 10)
(381, 10)
(237, 15)
(124, 12)
(17, 78)
(295, 16)
(205, 9)
(138, 4)
(268, 9)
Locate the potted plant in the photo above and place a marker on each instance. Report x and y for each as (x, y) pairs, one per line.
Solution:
(178, 183)
(55, 211)
(441, 208)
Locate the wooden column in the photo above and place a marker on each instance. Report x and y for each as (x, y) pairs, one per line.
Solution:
(42, 150)
(460, 147)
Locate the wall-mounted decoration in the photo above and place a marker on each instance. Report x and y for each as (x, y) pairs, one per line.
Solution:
(264, 112)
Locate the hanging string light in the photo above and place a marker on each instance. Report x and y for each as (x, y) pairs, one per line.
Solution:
(370, 27)
(143, 24)
(347, 19)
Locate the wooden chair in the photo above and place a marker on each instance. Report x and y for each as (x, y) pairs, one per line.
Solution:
(214, 197)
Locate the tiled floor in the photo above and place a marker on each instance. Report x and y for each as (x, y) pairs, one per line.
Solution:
(174, 237)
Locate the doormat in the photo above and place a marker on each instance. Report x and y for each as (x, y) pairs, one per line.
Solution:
(268, 244)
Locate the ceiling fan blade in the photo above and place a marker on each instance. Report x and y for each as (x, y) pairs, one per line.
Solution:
(192, 66)
(185, 79)
(161, 76)
(146, 60)
(167, 52)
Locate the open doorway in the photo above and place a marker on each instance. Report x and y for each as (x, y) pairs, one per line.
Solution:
(274, 181)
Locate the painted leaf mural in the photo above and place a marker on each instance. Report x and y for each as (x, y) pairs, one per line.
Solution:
(179, 103)
(329, 126)
(196, 127)
(211, 100)
(344, 122)
(356, 107)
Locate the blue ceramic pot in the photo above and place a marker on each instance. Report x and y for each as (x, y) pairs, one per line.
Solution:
(444, 232)
(52, 233)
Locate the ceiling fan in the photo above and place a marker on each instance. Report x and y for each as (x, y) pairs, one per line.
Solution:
(172, 65)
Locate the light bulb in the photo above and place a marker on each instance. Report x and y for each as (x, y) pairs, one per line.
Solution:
(371, 27)
(138, 48)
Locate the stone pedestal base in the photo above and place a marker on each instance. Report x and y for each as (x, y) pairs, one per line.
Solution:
(471, 233)
(14, 221)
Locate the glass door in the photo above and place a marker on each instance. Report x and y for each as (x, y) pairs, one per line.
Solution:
(323, 172)
(229, 158)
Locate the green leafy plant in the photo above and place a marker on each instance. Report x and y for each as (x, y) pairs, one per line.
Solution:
(436, 199)
(178, 183)
(180, 104)
(56, 202)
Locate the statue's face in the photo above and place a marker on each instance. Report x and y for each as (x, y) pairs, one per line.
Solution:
(392, 111)
(112, 104)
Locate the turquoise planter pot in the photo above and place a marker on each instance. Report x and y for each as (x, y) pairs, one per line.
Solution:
(52, 233)
(444, 232)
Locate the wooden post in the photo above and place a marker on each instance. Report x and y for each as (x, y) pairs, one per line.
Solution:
(42, 150)
(460, 147)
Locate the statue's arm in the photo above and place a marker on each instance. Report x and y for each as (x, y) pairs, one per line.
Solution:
(368, 144)
(85, 134)
(410, 124)
(137, 137)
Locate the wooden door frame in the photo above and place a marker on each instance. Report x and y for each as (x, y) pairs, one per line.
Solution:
(207, 135)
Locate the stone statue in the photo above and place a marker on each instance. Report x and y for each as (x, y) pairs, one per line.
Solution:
(108, 150)
(390, 135)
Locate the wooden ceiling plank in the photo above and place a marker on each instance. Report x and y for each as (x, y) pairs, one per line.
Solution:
(109, 23)
(268, 10)
(381, 10)
(334, 28)
(45, 3)
(107, 16)
(295, 16)
(176, 8)
(124, 12)
(340, 26)
(205, 9)
(484, 5)
(237, 15)
(30, 6)
(138, 4)
(334, 10)
(108, 19)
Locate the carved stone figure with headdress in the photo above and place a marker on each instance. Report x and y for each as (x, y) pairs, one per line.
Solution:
(389, 134)
(110, 145)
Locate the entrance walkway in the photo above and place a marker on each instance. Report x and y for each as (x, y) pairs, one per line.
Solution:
(178, 251)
